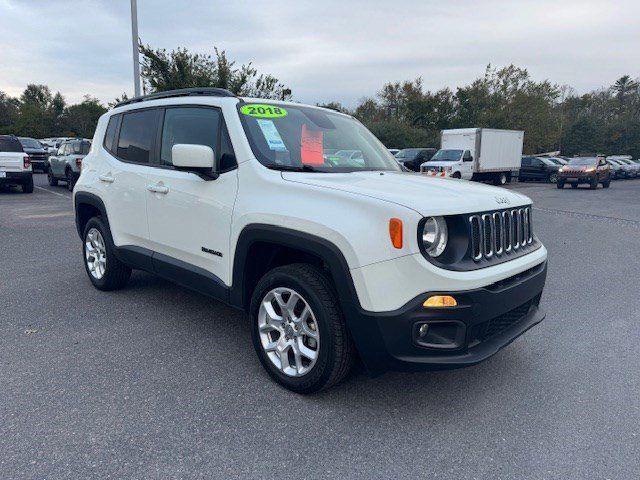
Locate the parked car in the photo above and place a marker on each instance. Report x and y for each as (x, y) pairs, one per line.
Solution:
(37, 153)
(535, 168)
(412, 158)
(632, 168)
(232, 197)
(15, 164)
(623, 170)
(590, 170)
(66, 164)
(617, 172)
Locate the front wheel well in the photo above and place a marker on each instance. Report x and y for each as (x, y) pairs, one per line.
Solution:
(265, 256)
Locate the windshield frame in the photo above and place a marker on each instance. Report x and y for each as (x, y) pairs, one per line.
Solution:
(392, 163)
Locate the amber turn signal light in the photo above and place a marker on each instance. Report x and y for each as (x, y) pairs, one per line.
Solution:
(395, 232)
(439, 301)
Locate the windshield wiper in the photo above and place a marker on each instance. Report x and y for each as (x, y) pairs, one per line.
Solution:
(294, 168)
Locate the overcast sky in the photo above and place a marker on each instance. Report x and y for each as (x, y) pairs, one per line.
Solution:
(324, 49)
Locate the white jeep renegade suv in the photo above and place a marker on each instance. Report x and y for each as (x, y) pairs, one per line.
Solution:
(331, 256)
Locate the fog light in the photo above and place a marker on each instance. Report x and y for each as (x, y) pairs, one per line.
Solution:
(423, 329)
(440, 301)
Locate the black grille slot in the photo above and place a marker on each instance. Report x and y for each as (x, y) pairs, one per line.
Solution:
(476, 236)
(487, 232)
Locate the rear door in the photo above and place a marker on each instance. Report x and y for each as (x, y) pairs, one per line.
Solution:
(190, 217)
(123, 176)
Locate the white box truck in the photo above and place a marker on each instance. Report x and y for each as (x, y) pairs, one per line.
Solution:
(477, 154)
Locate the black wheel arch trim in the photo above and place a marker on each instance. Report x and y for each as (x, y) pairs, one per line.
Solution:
(86, 198)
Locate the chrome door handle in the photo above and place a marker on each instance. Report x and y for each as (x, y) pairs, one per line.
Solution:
(158, 189)
(106, 178)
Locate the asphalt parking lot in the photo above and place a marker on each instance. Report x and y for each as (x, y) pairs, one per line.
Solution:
(155, 381)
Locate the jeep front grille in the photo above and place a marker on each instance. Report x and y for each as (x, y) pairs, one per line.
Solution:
(500, 233)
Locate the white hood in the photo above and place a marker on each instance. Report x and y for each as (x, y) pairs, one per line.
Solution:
(426, 195)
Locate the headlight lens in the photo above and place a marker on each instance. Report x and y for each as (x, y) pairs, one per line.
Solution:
(435, 235)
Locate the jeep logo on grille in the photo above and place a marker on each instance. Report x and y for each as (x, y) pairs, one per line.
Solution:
(502, 201)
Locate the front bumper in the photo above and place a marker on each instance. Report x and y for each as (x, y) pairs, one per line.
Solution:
(484, 321)
(16, 178)
(576, 178)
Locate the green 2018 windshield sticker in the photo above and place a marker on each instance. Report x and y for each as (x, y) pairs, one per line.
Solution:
(261, 110)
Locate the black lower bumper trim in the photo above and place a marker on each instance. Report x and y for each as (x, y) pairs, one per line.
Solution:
(484, 321)
(16, 178)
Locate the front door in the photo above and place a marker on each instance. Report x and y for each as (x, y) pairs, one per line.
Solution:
(190, 217)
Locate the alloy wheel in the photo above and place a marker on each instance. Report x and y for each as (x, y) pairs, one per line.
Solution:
(95, 253)
(288, 331)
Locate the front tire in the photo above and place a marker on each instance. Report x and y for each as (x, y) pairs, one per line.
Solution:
(53, 181)
(553, 178)
(560, 185)
(593, 184)
(298, 330)
(105, 271)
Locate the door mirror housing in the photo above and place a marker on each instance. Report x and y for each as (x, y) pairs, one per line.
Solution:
(199, 159)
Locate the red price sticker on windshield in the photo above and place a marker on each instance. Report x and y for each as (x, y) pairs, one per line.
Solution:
(311, 146)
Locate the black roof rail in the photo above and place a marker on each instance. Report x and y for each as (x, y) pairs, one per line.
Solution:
(182, 92)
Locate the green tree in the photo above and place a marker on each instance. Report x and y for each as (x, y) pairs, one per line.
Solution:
(162, 70)
(82, 118)
(9, 108)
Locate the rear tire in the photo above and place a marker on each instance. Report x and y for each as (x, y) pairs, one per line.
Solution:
(500, 178)
(335, 354)
(53, 181)
(553, 178)
(606, 184)
(27, 186)
(114, 274)
(71, 181)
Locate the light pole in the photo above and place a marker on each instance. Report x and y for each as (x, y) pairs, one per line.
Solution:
(134, 45)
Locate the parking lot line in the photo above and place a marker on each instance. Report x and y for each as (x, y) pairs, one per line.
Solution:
(53, 193)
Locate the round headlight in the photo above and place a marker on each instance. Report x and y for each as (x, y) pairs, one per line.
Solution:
(434, 235)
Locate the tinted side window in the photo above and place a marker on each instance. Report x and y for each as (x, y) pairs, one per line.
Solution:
(197, 126)
(526, 162)
(137, 133)
(110, 134)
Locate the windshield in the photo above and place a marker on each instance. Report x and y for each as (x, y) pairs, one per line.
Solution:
(555, 161)
(583, 161)
(292, 137)
(30, 143)
(408, 153)
(446, 156)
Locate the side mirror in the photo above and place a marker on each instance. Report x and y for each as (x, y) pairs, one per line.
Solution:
(199, 159)
(186, 155)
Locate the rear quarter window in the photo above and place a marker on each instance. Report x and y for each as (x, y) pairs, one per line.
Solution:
(137, 136)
